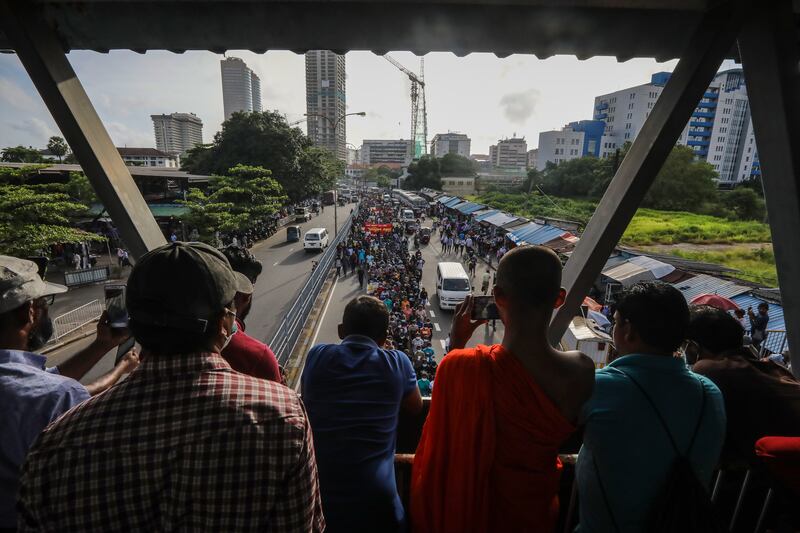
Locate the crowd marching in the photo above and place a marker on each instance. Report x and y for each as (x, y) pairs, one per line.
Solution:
(377, 251)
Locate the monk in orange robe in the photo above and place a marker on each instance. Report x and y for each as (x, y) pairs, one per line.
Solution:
(488, 456)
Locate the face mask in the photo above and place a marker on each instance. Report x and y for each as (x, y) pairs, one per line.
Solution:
(39, 337)
(234, 329)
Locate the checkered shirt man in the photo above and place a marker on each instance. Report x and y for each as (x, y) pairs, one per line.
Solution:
(185, 443)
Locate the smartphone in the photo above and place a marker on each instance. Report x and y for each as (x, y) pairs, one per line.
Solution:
(115, 306)
(484, 308)
(124, 348)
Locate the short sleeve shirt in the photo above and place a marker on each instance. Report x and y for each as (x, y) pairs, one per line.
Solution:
(31, 397)
(353, 393)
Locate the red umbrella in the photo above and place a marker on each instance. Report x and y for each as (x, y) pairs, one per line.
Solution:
(715, 300)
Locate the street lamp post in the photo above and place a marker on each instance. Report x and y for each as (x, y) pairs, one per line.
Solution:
(334, 124)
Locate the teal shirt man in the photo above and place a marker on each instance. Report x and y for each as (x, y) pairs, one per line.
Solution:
(624, 438)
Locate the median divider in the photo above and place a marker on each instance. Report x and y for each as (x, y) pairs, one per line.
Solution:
(290, 328)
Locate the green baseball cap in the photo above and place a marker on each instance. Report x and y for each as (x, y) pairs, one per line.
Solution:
(181, 285)
(20, 282)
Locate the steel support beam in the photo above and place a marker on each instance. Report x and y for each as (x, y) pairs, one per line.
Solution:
(711, 41)
(770, 63)
(40, 52)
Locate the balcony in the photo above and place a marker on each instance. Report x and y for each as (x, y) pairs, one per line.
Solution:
(708, 105)
(698, 124)
(697, 143)
(601, 106)
(697, 133)
(710, 95)
(702, 114)
(600, 116)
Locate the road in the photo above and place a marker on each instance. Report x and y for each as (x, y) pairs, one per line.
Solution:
(286, 268)
(346, 289)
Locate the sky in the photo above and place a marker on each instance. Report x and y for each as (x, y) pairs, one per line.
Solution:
(486, 97)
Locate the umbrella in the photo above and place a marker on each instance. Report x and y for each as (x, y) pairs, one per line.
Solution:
(715, 300)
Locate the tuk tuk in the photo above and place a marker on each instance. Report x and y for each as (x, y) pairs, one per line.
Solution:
(425, 235)
(293, 233)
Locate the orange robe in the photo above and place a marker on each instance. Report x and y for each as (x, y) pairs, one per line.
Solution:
(488, 456)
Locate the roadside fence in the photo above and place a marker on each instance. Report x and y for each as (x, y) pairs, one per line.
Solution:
(82, 277)
(77, 318)
(285, 337)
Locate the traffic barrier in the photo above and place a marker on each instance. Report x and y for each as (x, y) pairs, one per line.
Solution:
(88, 275)
(74, 320)
(285, 337)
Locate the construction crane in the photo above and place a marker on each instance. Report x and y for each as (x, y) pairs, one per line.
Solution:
(419, 112)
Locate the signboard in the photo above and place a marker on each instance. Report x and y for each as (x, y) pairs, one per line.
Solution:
(378, 228)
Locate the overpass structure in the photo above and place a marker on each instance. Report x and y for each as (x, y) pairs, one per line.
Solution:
(702, 33)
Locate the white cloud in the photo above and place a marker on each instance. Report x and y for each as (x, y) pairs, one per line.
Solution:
(122, 135)
(36, 128)
(13, 95)
(519, 107)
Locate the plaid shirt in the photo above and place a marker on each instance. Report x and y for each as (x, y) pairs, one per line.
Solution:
(185, 443)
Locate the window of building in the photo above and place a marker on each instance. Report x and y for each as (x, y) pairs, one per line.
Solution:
(628, 126)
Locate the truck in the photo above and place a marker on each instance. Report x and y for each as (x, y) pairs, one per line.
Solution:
(329, 197)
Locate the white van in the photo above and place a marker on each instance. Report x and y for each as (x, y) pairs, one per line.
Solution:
(452, 284)
(315, 239)
(407, 215)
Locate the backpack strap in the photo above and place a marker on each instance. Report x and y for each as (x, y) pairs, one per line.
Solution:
(664, 423)
(603, 493)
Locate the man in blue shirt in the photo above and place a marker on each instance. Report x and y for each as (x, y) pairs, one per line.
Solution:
(354, 392)
(31, 396)
(627, 454)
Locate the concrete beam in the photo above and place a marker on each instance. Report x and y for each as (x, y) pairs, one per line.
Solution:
(41, 54)
(770, 63)
(696, 68)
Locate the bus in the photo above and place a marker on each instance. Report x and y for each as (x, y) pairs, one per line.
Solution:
(410, 199)
(329, 198)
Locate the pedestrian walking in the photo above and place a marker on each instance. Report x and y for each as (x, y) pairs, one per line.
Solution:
(338, 264)
(485, 281)
(360, 272)
(344, 262)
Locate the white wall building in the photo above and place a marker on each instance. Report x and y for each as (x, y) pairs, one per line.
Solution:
(450, 143)
(178, 132)
(376, 151)
(353, 155)
(510, 153)
(575, 140)
(719, 130)
(241, 87)
(148, 157)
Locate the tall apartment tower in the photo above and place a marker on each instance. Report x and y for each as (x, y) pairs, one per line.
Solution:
(450, 143)
(178, 132)
(241, 87)
(510, 153)
(720, 130)
(326, 96)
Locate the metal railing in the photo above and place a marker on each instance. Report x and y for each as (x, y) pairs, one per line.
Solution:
(774, 342)
(88, 275)
(77, 318)
(288, 331)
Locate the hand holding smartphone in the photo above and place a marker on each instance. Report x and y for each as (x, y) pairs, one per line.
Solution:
(116, 310)
(484, 308)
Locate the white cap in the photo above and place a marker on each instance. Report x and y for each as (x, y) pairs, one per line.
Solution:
(20, 283)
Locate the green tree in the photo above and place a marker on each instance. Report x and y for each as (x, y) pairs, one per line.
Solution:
(682, 184)
(425, 172)
(266, 140)
(242, 197)
(743, 203)
(79, 188)
(58, 147)
(581, 177)
(383, 181)
(31, 220)
(457, 165)
(20, 154)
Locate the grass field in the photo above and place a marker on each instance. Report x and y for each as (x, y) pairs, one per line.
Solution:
(754, 264)
(647, 227)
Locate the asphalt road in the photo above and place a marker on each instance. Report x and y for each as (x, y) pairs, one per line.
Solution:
(346, 289)
(286, 269)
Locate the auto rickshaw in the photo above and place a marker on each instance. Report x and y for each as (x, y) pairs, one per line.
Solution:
(425, 235)
(293, 233)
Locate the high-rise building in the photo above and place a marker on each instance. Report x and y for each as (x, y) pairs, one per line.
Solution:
(450, 143)
(576, 139)
(241, 87)
(326, 97)
(720, 130)
(377, 151)
(510, 153)
(178, 132)
(353, 156)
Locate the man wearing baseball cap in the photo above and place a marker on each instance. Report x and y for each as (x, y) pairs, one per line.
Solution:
(186, 442)
(31, 396)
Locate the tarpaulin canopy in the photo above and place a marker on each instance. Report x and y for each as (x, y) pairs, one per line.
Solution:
(658, 268)
(534, 233)
(470, 207)
(498, 219)
(483, 215)
(444, 199)
(453, 202)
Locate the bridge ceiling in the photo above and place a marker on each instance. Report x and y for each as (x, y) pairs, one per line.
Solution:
(585, 28)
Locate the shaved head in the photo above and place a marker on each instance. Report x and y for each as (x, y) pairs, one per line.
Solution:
(530, 277)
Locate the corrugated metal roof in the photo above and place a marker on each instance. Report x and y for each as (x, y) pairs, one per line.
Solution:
(453, 202)
(472, 209)
(444, 199)
(486, 213)
(655, 266)
(628, 273)
(534, 233)
(705, 284)
(498, 219)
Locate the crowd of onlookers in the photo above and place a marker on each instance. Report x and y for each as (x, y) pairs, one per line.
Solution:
(203, 435)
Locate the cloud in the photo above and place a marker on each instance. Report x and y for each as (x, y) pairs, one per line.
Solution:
(36, 128)
(519, 107)
(122, 135)
(14, 96)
